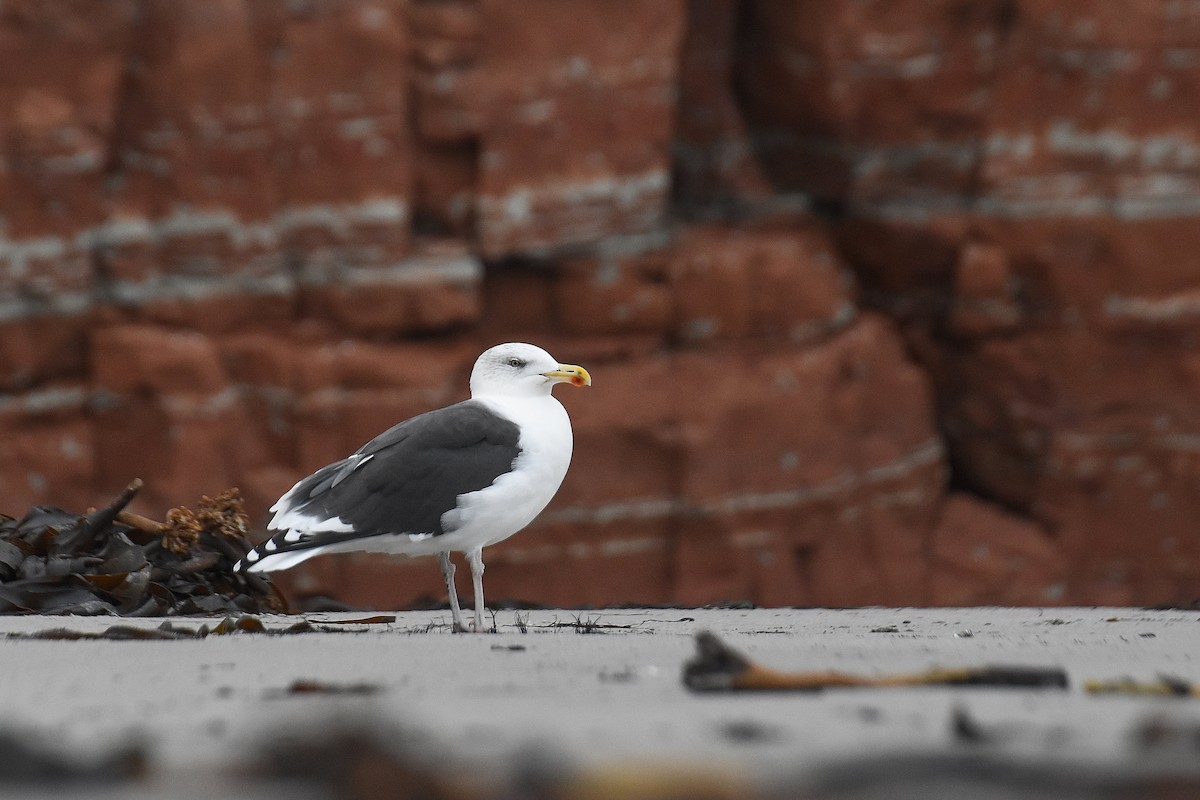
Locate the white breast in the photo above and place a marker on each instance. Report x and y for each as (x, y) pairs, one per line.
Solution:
(508, 505)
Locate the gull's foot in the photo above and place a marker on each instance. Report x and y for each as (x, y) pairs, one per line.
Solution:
(474, 627)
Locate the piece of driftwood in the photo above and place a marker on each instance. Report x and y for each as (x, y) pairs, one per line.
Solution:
(1162, 686)
(717, 667)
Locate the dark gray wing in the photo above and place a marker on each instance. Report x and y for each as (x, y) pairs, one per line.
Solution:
(405, 479)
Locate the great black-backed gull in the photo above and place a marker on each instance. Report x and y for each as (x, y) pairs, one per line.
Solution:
(455, 479)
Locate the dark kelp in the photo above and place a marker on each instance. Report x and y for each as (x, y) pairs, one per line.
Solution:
(109, 561)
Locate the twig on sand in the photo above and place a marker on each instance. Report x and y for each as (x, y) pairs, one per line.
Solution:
(1164, 686)
(717, 667)
(589, 625)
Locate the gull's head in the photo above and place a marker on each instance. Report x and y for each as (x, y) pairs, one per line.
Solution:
(522, 370)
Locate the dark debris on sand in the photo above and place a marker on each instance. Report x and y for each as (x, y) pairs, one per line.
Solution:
(109, 561)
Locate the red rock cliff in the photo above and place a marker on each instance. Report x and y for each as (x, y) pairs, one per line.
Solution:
(886, 302)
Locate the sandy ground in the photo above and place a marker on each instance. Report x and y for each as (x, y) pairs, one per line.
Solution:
(587, 692)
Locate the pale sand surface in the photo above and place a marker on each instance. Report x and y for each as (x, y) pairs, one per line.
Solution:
(484, 705)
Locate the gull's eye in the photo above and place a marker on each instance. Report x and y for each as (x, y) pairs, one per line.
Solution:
(515, 363)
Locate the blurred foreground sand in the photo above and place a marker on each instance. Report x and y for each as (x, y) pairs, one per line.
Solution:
(560, 694)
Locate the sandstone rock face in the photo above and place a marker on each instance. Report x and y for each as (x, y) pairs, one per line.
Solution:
(575, 128)
(886, 302)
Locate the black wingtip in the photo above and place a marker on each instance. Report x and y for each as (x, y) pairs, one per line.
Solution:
(244, 564)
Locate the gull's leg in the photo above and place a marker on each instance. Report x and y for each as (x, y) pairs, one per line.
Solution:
(475, 559)
(448, 573)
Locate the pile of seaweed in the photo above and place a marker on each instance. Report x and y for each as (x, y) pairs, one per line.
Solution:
(111, 561)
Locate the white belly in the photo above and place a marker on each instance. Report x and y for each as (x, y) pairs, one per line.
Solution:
(508, 505)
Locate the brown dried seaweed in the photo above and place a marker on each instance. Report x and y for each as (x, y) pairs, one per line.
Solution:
(233, 624)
